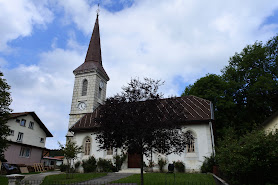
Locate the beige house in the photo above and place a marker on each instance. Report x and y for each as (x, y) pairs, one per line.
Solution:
(271, 124)
(27, 138)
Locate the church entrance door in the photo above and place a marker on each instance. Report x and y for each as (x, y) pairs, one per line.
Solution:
(134, 160)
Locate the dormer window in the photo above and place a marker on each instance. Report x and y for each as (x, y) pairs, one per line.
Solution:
(22, 123)
(84, 87)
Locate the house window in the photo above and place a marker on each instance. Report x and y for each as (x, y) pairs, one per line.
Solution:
(22, 123)
(31, 125)
(110, 151)
(19, 137)
(84, 87)
(25, 152)
(191, 145)
(42, 140)
(87, 146)
(17, 120)
(11, 132)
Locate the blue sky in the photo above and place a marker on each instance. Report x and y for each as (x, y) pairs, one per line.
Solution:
(177, 41)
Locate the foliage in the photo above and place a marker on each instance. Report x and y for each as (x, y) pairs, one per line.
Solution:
(207, 166)
(77, 177)
(179, 166)
(119, 160)
(77, 164)
(105, 165)
(161, 163)
(89, 165)
(162, 178)
(246, 93)
(251, 158)
(5, 101)
(3, 180)
(70, 151)
(132, 121)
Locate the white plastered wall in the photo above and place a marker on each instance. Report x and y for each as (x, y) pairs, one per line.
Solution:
(192, 161)
(30, 136)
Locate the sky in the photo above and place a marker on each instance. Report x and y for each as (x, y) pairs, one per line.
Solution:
(177, 41)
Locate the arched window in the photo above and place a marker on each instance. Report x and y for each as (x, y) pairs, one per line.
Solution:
(87, 146)
(190, 148)
(84, 87)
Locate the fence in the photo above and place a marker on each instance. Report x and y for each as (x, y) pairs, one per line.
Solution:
(34, 182)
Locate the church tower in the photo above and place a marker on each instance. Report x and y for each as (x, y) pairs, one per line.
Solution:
(90, 81)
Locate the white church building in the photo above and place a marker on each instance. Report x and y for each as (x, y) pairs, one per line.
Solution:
(90, 91)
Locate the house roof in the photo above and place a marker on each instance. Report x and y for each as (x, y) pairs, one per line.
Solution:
(36, 118)
(93, 60)
(195, 110)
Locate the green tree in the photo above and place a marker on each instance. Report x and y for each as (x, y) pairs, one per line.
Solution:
(253, 77)
(135, 121)
(70, 151)
(249, 159)
(246, 92)
(5, 101)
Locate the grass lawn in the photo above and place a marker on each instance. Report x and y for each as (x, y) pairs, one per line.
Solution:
(159, 178)
(3, 180)
(77, 177)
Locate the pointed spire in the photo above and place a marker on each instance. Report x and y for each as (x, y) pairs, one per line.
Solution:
(93, 60)
(94, 50)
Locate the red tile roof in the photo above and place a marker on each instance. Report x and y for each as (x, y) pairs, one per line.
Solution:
(36, 118)
(194, 109)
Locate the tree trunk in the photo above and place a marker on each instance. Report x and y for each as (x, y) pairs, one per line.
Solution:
(142, 166)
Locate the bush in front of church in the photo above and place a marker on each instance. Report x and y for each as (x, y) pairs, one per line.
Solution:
(105, 165)
(89, 165)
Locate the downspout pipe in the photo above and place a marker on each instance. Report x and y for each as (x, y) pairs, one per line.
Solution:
(211, 129)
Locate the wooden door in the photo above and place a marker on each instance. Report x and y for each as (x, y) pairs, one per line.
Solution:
(134, 161)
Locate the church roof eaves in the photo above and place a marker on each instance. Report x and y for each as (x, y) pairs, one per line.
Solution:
(196, 110)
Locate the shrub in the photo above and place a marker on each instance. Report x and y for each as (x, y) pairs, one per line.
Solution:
(179, 166)
(119, 160)
(208, 164)
(77, 164)
(105, 165)
(161, 163)
(249, 159)
(89, 165)
(63, 167)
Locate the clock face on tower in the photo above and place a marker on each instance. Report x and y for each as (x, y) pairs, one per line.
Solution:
(82, 105)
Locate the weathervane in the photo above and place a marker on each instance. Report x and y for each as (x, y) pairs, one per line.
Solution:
(98, 10)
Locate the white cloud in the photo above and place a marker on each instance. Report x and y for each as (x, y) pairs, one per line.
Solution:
(166, 39)
(18, 17)
(46, 88)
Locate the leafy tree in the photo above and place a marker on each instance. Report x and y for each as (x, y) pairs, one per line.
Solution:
(70, 151)
(249, 159)
(134, 122)
(5, 101)
(246, 92)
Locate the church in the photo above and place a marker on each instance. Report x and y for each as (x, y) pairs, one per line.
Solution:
(89, 92)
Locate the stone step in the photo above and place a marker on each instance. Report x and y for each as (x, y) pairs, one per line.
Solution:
(130, 170)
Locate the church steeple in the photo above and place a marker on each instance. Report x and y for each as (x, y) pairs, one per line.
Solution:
(94, 50)
(93, 60)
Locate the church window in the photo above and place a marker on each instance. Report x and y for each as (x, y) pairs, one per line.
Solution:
(84, 87)
(87, 146)
(99, 93)
(110, 151)
(191, 145)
